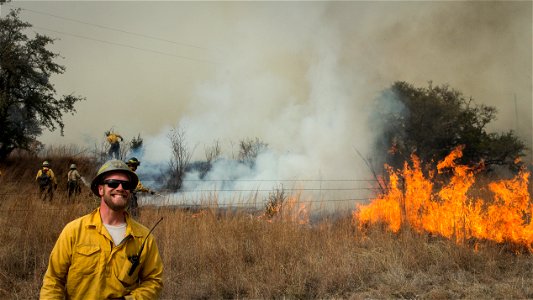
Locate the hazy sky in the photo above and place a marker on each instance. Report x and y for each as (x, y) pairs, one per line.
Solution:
(298, 75)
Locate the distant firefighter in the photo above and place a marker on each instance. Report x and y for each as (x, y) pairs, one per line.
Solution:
(113, 139)
(73, 182)
(133, 208)
(47, 182)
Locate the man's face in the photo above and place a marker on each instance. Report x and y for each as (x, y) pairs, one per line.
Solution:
(115, 198)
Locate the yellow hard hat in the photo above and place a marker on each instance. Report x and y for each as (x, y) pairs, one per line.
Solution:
(110, 166)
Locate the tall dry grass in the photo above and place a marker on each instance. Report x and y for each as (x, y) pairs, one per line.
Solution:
(219, 253)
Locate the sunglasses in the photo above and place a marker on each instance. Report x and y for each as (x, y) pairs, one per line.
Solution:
(114, 183)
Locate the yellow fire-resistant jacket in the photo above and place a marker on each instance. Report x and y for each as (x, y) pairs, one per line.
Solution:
(84, 264)
(49, 172)
(113, 138)
(141, 188)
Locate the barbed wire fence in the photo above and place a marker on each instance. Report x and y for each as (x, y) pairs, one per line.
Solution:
(242, 197)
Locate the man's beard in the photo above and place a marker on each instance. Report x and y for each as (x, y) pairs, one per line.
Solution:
(108, 199)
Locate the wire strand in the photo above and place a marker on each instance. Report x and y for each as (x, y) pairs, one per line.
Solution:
(109, 28)
(125, 45)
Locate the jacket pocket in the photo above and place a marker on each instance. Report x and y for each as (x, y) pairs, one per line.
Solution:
(86, 259)
(124, 276)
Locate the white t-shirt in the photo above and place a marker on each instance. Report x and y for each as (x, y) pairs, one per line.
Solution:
(117, 232)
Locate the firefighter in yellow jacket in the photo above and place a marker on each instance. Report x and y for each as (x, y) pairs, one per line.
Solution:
(105, 254)
(114, 140)
(47, 182)
(133, 163)
(73, 182)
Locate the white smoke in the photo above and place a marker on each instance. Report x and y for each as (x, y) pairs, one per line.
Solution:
(300, 106)
(301, 78)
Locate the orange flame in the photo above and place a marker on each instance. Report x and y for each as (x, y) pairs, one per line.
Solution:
(292, 210)
(451, 212)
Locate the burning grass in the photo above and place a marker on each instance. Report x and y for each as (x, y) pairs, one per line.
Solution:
(451, 211)
(221, 253)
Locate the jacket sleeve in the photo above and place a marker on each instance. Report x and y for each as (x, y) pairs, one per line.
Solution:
(151, 274)
(53, 176)
(141, 188)
(38, 174)
(55, 278)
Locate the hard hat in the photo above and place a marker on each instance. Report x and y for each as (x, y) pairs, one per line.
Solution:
(110, 166)
(73, 166)
(134, 161)
(46, 163)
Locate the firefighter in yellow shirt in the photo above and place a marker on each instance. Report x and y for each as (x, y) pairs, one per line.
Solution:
(114, 140)
(47, 182)
(105, 254)
(133, 163)
(73, 182)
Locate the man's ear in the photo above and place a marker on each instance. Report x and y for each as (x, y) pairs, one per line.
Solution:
(100, 190)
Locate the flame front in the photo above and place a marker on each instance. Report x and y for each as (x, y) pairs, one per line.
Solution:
(451, 212)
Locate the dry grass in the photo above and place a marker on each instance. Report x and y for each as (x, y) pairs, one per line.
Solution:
(216, 253)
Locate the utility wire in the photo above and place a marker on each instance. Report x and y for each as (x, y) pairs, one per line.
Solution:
(125, 45)
(110, 28)
(114, 43)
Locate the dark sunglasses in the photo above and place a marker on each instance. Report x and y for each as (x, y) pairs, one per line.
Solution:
(114, 183)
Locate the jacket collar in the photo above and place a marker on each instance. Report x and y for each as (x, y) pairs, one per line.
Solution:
(132, 227)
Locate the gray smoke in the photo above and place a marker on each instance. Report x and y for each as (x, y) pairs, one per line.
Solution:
(300, 76)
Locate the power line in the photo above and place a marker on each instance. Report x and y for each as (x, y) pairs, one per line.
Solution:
(125, 45)
(112, 29)
(115, 43)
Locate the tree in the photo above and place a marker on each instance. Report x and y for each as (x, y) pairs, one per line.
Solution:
(249, 149)
(180, 160)
(28, 101)
(432, 121)
(136, 143)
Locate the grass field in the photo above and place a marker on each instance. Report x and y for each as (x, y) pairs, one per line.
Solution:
(216, 253)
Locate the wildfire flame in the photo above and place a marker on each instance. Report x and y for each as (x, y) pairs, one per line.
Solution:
(451, 212)
(290, 210)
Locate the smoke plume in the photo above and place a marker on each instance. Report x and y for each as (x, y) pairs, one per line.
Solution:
(301, 77)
